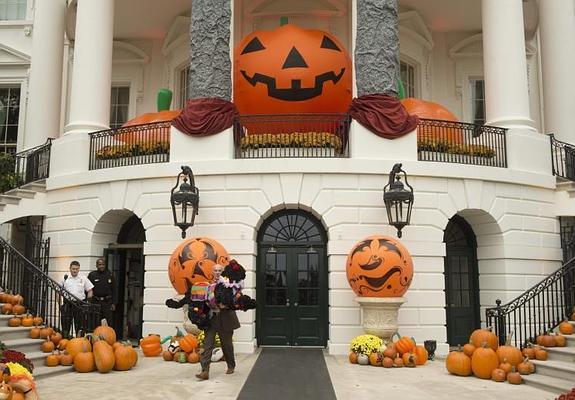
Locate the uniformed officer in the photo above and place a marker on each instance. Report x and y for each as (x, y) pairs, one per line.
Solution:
(81, 287)
(104, 292)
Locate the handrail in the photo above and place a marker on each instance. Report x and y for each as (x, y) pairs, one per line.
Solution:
(562, 158)
(538, 310)
(33, 164)
(42, 295)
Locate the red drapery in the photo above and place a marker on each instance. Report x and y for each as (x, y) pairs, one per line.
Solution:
(383, 115)
(207, 116)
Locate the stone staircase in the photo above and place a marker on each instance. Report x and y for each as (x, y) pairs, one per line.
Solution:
(17, 339)
(27, 191)
(557, 373)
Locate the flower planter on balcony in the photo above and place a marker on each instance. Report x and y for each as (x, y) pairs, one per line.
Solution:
(290, 152)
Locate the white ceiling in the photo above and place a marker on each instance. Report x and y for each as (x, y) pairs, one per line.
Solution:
(151, 19)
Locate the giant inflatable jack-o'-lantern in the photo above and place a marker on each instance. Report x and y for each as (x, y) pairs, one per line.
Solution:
(192, 261)
(291, 70)
(379, 266)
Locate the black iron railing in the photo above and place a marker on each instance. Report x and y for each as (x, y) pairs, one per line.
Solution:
(33, 164)
(42, 295)
(131, 145)
(292, 136)
(461, 143)
(562, 158)
(538, 310)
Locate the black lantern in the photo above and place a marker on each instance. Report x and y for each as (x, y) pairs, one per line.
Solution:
(398, 200)
(185, 201)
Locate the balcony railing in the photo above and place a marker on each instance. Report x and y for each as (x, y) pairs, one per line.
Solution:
(131, 145)
(292, 136)
(562, 158)
(461, 143)
(33, 164)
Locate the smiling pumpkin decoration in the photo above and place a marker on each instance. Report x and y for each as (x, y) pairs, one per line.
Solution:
(192, 261)
(291, 70)
(379, 266)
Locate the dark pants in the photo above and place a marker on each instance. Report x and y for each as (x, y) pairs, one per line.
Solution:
(225, 339)
(70, 313)
(105, 310)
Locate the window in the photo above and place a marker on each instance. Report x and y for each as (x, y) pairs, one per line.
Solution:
(408, 78)
(184, 86)
(13, 10)
(478, 101)
(9, 115)
(119, 105)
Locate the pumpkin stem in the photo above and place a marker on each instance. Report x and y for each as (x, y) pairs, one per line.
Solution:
(103, 322)
(508, 340)
(284, 21)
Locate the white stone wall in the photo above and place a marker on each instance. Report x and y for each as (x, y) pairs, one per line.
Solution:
(517, 233)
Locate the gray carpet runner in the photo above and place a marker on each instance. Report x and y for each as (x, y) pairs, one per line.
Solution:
(290, 374)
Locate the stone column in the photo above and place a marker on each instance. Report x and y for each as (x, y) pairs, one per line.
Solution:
(505, 64)
(92, 68)
(376, 55)
(210, 63)
(45, 84)
(557, 29)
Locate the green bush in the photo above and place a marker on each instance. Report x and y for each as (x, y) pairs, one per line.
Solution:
(8, 178)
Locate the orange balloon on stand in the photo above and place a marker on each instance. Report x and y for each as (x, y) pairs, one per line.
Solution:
(290, 70)
(192, 261)
(379, 266)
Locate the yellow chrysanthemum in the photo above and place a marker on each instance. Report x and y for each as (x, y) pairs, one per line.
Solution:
(17, 369)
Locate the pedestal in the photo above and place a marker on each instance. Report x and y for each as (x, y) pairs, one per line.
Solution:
(379, 315)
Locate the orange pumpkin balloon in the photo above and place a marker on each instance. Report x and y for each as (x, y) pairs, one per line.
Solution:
(147, 134)
(379, 266)
(291, 70)
(192, 262)
(430, 110)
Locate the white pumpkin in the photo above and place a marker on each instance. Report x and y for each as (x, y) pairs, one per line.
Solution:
(363, 359)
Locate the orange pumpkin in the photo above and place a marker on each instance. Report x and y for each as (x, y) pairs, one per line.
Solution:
(290, 70)
(194, 357)
(566, 328)
(188, 343)
(457, 363)
(375, 359)
(78, 345)
(404, 344)
(510, 353)
(103, 356)
(430, 110)
(66, 359)
(126, 357)
(422, 354)
(192, 262)
(353, 357)
(105, 332)
(484, 361)
(379, 266)
(148, 134)
(479, 336)
(151, 346)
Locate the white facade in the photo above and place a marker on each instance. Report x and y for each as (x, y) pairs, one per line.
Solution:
(513, 211)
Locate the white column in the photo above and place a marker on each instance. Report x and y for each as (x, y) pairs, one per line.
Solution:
(505, 64)
(45, 84)
(557, 29)
(92, 68)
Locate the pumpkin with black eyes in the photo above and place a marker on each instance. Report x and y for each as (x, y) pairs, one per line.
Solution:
(192, 261)
(379, 266)
(291, 70)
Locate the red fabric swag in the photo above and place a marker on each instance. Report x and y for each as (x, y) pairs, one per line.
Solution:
(206, 116)
(383, 115)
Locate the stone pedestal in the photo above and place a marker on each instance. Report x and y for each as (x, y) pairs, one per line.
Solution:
(379, 315)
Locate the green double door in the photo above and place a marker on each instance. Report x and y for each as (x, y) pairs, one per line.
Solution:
(292, 296)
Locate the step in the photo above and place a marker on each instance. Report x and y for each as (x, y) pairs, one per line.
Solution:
(557, 369)
(548, 383)
(42, 371)
(7, 199)
(570, 340)
(38, 186)
(23, 344)
(37, 357)
(22, 193)
(561, 354)
(7, 332)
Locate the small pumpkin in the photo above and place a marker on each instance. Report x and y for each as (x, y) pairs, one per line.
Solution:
(38, 320)
(352, 357)
(421, 354)
(458, 363)
(479, 336)
(193, 357)
(6, 391)
(18, 309)
(526, 367)
(151, 346)
(398, 362)
(498, 375)
(48, 346)
(387, 362)
(514, 377)
(375, 359)
(188, 343)
(34, 333)
(505, 366)
(180, 357)
(168, 355)
(56, 338)
(390, 351)
(528, 352)
(14, 322)
(78, 345)
(7, 308)
(103, 356)
(409, 360)
(62, 344)
(362, 359)
(84, 361)
(404, 344)
(566, 328)
(52, 360)
(468, 349)
(125, 357)
(45, 332)
(541, 355)
(105, 332)
(17, 300)
(484, 361)
(560, 340)
(511, 353)
(27, 320)
(546, 340)
(66, 359)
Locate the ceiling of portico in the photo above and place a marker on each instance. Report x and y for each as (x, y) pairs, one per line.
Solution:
(151, 19)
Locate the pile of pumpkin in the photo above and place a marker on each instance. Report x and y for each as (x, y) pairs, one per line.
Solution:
(484, 358)
(102, 353)
(404, 352)
(182, 348)
(13, 304)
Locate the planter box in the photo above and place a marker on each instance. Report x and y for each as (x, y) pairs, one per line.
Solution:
(127, 161)
(290, 152)
(457, 158)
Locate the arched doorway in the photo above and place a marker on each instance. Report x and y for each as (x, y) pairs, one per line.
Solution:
(125, 259)
(461, 281)
(292, 281)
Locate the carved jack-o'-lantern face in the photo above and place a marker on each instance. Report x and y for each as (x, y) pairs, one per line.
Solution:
(192, 262)
(379, 266)
(291, 70)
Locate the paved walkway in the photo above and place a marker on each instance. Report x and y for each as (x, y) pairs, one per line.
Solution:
(153, 378)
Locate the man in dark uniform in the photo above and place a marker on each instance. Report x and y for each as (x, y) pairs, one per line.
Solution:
(104, 292)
